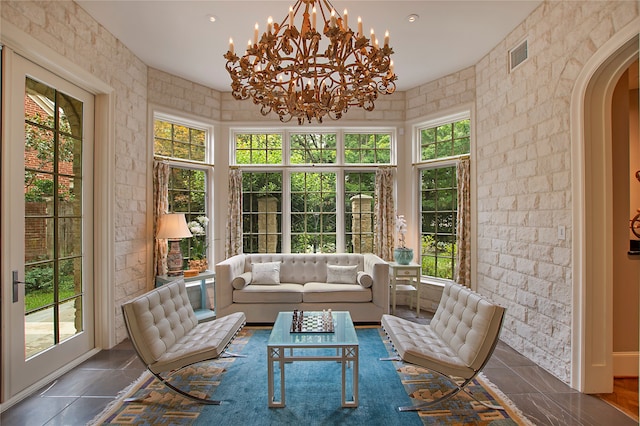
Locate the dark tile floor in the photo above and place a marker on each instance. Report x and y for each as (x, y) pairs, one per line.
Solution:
(78, 396)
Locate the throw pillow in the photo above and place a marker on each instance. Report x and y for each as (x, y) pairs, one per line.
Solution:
(342, 274)
(364, 279)
(265, 273)
(241, 281)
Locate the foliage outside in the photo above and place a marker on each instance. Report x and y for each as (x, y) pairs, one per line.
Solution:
(52, 191)
(39, 285)
(177, 141)
(437, 257)
(439, 196)
(313, 194)
(447, 140)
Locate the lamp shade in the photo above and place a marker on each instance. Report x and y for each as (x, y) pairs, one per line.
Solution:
(173, 226)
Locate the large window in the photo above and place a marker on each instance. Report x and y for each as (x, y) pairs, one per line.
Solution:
(185, 146)
(313, 212)
(309, 192)
(358, 206)
(441, 147)
(262, 212)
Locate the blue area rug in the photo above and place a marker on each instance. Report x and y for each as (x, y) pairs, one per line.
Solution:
(313, 392)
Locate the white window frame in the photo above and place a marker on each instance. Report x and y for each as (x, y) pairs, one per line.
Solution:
(420, 165)
(340, 167)
(206, 166)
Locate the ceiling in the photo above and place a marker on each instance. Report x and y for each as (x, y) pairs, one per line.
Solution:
(179, 38)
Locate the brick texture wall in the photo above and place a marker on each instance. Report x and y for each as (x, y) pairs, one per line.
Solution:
(524, 172)
(450, 91)
(183, 95)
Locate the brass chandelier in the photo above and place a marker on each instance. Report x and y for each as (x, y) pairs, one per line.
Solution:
(297, 69)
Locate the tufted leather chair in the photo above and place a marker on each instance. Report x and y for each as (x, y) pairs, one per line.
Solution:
(458, 341)
(167, 337)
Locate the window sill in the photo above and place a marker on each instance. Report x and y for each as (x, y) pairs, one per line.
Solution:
(433, 281)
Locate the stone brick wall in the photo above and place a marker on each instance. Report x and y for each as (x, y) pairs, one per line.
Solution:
(524, 172)
(450, 91)
(67, 29)
(183, 95)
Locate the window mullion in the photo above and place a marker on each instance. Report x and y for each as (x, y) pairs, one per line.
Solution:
(286, 211)
(340, 212)
(340, 148)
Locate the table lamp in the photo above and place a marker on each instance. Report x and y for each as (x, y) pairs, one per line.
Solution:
(173, 227)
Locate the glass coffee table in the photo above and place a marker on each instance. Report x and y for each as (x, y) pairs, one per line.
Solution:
(285, 346)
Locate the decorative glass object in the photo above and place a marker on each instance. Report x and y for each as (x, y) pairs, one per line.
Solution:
(403, 255)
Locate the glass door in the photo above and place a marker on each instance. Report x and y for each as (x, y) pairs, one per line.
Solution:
(47, 201)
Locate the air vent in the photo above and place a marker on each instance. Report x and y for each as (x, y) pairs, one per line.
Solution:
(518, 55)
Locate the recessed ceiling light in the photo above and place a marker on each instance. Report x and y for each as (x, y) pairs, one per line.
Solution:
(412, 18)
(211, 18)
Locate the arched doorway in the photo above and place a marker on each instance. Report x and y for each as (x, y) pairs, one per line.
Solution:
(592, 350)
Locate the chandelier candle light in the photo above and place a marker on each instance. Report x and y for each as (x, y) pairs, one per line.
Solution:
(297, 69)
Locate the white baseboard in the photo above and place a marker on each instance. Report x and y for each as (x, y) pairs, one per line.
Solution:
(625, 364)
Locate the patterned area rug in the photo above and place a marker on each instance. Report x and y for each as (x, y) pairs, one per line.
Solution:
(423, 385)
(241, 384)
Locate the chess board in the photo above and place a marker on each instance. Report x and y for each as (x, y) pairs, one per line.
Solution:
(312, 323)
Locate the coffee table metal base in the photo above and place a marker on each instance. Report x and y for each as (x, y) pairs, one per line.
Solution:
(345, 354)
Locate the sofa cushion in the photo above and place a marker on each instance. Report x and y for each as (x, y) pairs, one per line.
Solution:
(337, 274)
(364, 279)
(265, 273)
(241, 281)
(280, 293)
(303, 268)
(334, 293)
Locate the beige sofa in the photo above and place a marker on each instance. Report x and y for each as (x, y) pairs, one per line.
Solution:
(261, 285)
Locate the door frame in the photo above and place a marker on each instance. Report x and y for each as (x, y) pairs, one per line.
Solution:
(592, 313)
(25, 45)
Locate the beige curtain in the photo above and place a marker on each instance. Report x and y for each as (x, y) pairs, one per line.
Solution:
(233, 243)
(161, 206)
(462, 274)
(384, 214)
